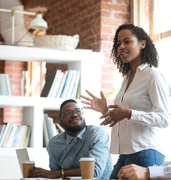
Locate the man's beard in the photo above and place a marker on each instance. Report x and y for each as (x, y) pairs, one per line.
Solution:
(75, 128)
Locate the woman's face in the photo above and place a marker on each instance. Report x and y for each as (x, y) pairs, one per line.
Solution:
(129, 48)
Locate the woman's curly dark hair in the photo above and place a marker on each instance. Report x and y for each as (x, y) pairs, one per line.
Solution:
(149, 53)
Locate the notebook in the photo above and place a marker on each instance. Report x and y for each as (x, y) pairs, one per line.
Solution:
(22, 155)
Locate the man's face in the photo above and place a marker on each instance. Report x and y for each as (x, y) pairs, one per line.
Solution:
(72, 122)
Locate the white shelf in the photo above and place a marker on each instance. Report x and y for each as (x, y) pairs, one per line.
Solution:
(24, 102)
(48, 55)
(87, 62)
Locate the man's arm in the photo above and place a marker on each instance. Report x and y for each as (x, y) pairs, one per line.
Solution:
(43, 173)
(100, 151)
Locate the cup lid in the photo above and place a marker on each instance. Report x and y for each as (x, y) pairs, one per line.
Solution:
(28, 162)
(87, 159)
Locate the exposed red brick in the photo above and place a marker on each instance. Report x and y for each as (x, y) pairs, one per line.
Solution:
(125, 2)
(118, 8)
(75, 4)
(105, 14)
(107, 37)
(106, 45)
(67, 2)
(105, 29)
(106, 85)
(83, 21)
(97, 15)
(91, 10)
(91, 3)
(106, 6)
(83, 2)
(91, 40)
(107, 77)
(107, 53)
(96, 47)
(108, 69)
(106, 1)
(121, 16)
(97, 2)
(108, 61)
(110, 22)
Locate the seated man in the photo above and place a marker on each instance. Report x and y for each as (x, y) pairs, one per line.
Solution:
(78, 140)
(133, 171)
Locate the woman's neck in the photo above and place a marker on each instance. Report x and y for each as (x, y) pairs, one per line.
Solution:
(134, 66)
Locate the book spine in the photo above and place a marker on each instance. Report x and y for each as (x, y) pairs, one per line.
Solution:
(62, 85)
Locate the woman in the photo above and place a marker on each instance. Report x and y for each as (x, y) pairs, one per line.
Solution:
(140, 109)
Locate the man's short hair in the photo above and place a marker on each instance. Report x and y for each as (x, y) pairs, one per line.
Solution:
(62, 105)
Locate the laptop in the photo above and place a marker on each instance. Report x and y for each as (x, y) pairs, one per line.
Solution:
(22, 155)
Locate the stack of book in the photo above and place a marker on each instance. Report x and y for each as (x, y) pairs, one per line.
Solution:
(13, 135)
(62, 85)
(50, 129)
(5, 86)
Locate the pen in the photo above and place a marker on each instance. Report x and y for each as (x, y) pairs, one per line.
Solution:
(34, 168)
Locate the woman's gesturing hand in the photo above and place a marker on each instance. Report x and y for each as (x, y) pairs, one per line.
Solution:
(96, 104)
(117, 114)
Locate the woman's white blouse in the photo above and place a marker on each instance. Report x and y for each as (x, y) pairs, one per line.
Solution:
(147, 97)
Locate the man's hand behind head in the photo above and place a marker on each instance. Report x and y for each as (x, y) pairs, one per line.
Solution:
(133, 172)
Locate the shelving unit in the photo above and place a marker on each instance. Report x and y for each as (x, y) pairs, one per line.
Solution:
(88, 62)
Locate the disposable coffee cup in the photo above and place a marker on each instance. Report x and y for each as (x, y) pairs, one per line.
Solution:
(26, 166)
(87, 167)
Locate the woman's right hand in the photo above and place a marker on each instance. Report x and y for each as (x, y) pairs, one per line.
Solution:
(96, 104)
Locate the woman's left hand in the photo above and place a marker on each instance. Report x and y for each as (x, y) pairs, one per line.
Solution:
(117, 114)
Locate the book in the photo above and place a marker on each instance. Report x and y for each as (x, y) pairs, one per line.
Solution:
(11, 137)
(3, 85)
(28, 137)
(1, 126)
(60, 129)
(23, 127)
(45, 133)
(49, 80)
(23, 139)
(67, 84)
(58, 95)
(74, 92)
(78, 90)
(8, 85)
(5, 133)
(54, 83)
(2, 130)
(16, 137)
(53, 127)
(48, 127)
(71, 86)
(20, 135)
(57, 85)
